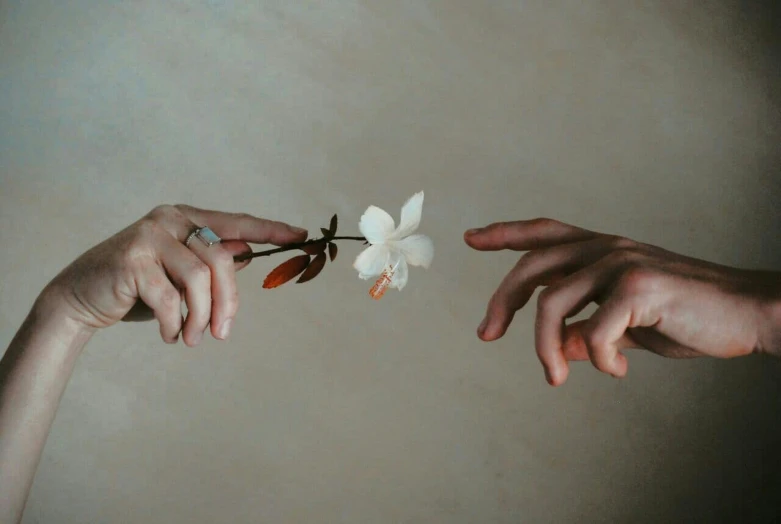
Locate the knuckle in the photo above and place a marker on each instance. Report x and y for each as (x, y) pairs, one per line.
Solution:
(528, 259)
(619, 243)
(181, 208)
(636, 280)
(503, 232)
(170, 300)
(524, 270)
(139, 242)
(146, 229)
(241, 216)
(496, 229)
(546, 302)
(223, 259)
(598, 347)
(198, 271)
(625, 257)
(595, 341)
(543, 222)
(503, 226)
(161, 212)
(237, 221)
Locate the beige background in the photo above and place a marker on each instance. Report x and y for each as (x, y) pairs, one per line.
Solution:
(650, 119)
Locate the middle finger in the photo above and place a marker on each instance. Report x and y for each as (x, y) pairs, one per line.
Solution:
(537, 268)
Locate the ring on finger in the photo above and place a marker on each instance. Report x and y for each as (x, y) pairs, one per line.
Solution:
(204, 234)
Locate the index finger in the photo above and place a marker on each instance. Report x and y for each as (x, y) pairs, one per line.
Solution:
(525, 235)
(244, 227)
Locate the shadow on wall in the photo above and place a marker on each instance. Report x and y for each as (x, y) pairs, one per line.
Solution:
(763, 18)
(742, 436)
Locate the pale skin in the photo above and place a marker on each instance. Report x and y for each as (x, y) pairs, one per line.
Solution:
(649, 298)
(142, 272)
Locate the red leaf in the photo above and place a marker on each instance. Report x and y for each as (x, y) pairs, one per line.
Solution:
(332, 250)
(314, 269)
(287, 270)
(314, 249)
(332, 226)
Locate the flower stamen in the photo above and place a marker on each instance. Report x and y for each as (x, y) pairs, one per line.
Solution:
(383, 283)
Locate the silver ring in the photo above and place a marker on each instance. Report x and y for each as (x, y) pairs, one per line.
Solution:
(204, 234)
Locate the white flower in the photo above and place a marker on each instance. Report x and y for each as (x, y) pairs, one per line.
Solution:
(393, 248)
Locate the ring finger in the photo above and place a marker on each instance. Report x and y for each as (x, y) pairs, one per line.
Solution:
(190, 273)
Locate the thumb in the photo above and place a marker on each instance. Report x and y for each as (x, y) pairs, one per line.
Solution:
(237, 247)
(574, 346)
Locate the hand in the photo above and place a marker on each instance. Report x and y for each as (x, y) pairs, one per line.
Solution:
(143, 271)
(648, 298)
(146, 271)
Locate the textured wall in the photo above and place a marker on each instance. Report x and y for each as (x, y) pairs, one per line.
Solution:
(648, 119)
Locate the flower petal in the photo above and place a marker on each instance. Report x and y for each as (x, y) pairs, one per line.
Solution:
(371, 261)
(417, 249)
(410, 216)
(376, 225)
(400, 276)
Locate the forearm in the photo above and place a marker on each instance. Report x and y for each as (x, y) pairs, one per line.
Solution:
(33, 375)
(770, 337)
(767, 285)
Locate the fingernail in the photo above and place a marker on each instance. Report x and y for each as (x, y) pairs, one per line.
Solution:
(473, 231)
(298, 230)
(225, 330)
(619, 366)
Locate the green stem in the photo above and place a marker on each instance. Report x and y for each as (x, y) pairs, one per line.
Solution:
(291, 247)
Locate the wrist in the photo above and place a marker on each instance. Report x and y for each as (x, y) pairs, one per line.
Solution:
(52, 315)
(770, 335)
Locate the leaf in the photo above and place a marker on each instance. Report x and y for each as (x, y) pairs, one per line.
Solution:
(287, 270)
(314, 249)
(325, 232)
(314, 269)
(332, 250)
(332, 226)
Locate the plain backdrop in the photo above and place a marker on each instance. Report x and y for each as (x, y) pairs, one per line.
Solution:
(658, 120)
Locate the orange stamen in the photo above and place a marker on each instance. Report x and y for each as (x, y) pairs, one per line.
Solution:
(381, 286)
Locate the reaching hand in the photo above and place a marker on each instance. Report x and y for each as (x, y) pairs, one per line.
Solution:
(648, 298)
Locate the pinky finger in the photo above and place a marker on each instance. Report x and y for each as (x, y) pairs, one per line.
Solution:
(164, 300)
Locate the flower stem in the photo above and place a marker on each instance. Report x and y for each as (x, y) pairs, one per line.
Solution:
(291, 247)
